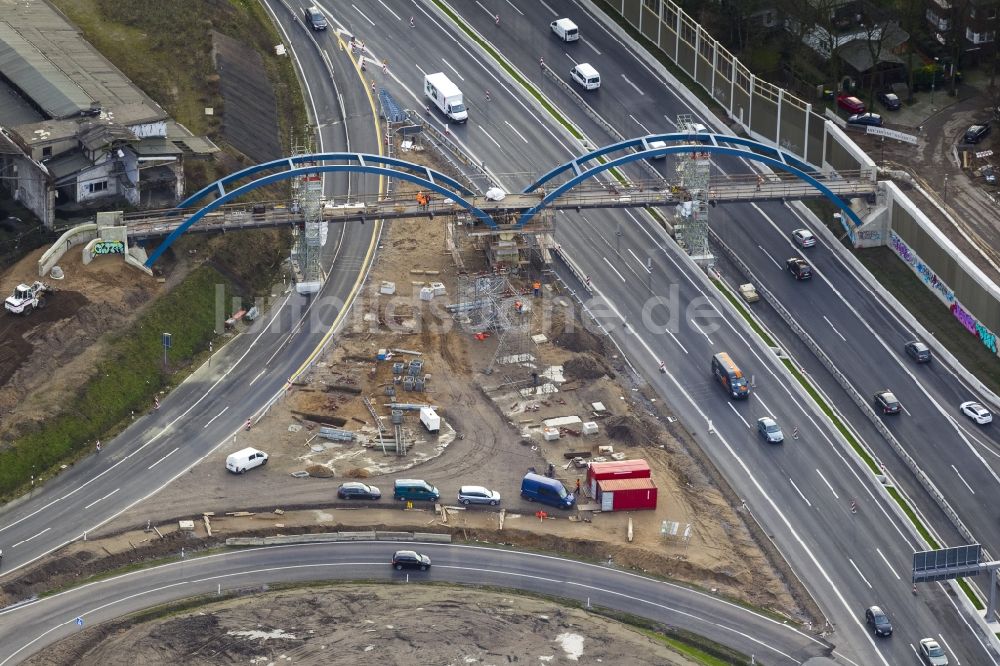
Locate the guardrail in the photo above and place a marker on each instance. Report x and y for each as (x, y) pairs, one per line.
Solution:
(858, 399)
(334, 537)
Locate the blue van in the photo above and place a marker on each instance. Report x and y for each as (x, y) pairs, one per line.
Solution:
(538, 488)
(415, 489)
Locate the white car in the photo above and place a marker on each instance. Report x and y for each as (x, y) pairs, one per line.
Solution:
(976, 412)
(931, 653)
(803, 238)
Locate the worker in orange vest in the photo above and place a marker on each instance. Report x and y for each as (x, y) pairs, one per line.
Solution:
(537, 287)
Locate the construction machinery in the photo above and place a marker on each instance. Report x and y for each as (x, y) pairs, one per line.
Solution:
(27, 298)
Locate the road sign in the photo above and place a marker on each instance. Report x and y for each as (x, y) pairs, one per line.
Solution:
(79, 621)
(892, 134)
(167, 341)
(946, 563)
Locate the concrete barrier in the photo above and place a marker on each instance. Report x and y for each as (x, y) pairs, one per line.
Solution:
(331, 537)
(78, 235)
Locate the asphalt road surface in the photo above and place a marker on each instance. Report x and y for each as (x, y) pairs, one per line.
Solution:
(801, 492)
(29, 628)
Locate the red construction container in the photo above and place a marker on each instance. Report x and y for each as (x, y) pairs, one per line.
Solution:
(616, 469)
(626, 494)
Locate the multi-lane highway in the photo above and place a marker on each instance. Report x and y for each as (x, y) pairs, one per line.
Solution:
(208, 409)
(801, 491)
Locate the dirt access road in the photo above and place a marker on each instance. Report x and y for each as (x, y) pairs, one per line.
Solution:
(359, 624)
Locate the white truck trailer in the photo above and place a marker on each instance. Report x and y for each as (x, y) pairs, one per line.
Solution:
(446, 96)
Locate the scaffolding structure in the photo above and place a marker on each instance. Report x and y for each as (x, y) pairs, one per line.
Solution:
(691, 227)
(309, 237)
(489, 305)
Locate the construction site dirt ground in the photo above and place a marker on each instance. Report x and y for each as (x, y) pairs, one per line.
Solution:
(491, 437)
(337, 624)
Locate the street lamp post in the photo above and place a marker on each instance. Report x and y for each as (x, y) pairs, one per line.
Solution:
(946, 188)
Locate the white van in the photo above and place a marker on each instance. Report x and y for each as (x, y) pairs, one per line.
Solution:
(586, 76)
(565, 30)
(248, 458)
(446, 96)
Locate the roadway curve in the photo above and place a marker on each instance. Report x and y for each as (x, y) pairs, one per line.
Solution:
(27, 629)
(209, 408)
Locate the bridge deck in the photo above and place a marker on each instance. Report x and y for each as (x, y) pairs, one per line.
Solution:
(637, 194)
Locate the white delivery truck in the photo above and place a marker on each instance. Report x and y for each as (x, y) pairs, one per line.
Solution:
(446, 96)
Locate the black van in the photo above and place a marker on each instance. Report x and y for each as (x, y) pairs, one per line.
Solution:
(730, 376)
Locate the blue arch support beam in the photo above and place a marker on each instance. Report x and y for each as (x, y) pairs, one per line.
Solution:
(360, 163)
(709, 143)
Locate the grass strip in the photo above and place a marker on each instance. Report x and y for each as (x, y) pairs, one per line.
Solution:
(128, 378)
(911, 514)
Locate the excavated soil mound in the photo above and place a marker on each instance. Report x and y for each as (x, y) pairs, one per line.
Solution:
(320, 471)
(575, 338)
(587, 366)
(629, 429)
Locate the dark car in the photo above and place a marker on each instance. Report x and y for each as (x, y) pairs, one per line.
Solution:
(989, 175)
(358, 490)
(887, 402)
(799, 268)
(872, 119)
(976, 133)
(878, 621)
(410, 559)
(918, 351)
(314, 18)
(890, 101)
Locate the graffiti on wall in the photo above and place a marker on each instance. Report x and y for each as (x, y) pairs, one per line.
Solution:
(970, 323)
(109, 247)
(920, 268)
(870, 235)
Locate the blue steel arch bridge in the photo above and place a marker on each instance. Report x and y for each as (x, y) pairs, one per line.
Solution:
(593, 180)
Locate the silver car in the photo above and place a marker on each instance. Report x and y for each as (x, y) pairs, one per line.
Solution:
(769, 430)
(478, 495)
(931, 653)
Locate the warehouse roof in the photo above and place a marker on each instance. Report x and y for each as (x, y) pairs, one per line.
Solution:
(50, 62)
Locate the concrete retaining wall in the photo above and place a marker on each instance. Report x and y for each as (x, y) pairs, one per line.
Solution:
(329, 537)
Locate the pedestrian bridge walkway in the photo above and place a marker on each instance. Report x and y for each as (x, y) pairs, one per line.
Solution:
(507, 211)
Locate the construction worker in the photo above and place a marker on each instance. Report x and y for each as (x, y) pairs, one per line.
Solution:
(577, 491)
(537, 288)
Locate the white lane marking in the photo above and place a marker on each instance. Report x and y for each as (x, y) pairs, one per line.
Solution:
(570, 58)
(961, 614)
(962, 479)
(808, 503)
(31, 537)
(613, 268)
(587, 42)
(948, 648)
(894, 354)
(698, 328)
(789, 527)
(390, 10)
(222, 412)
(420, 69)
(363, 15)
(483, 129)
(637, 88)
(768, 255)
(515, 7)
(859, 573)
(835, 496)
(879, 551)
(671, 121)
(905, 410)
(835, 329)
(102, 499)
(739, 415)
(636, 120)
(488, 12)
(176, 448)
(983, 445)
(640, 261)
(551, 11)
(676, 340)
(259, 375)
(452, 68)
(514, 129)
